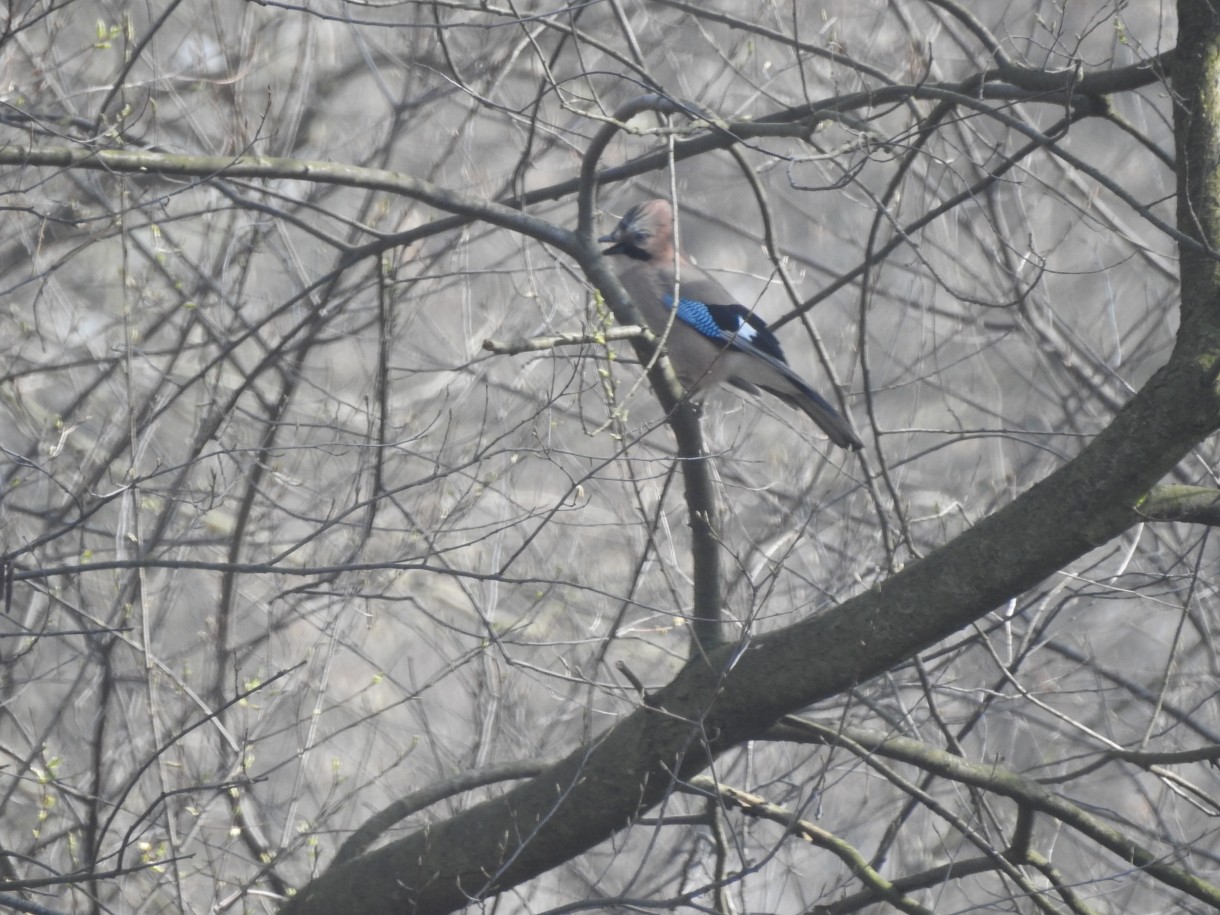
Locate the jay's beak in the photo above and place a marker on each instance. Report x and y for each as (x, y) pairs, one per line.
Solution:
(616, 246)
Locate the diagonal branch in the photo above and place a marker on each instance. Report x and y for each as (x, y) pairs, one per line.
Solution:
(707, 710)
(712, 707)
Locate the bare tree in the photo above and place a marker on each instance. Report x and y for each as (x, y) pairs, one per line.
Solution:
(362, 552)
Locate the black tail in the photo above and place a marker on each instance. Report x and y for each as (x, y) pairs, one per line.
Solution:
(828, 419)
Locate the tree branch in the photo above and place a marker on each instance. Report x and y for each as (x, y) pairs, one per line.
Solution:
(1190, 504)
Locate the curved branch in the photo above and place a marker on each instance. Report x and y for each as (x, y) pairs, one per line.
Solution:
(708, 611)
(599, 789)
(372, 828)
(710, 708)
(683, 418)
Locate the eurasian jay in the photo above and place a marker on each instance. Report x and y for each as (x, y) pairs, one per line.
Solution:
(712, 337)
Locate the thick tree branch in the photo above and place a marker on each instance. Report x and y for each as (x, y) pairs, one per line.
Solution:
(708, 709)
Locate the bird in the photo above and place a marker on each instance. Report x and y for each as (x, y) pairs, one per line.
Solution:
(712, 338)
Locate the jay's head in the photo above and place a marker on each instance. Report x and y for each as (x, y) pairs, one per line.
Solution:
(645, 233)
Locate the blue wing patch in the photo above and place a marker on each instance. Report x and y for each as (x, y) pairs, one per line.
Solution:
(728, 324)
(700, 317)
